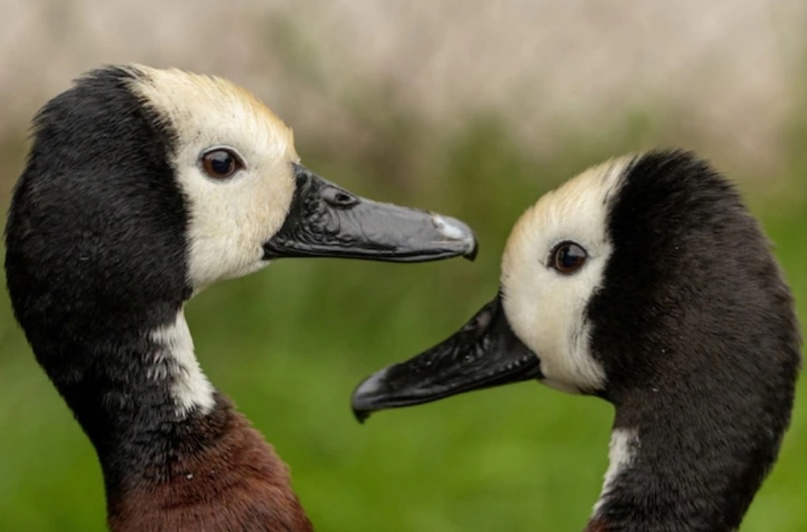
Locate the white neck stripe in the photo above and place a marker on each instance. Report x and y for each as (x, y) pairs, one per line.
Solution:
(175, 360)
(621, 453)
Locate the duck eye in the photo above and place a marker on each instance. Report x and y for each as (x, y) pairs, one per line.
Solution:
(568, 257)
(221, 163)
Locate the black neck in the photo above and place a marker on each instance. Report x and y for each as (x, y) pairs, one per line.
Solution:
(120, 390)
(687, 467)
(162, 463)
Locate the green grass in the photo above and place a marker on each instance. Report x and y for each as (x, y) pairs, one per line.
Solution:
(289, 344)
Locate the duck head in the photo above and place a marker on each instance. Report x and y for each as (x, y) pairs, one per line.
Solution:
(537, 326)
(161, 182)
(646, 282)
(144, 186)
(127, 137)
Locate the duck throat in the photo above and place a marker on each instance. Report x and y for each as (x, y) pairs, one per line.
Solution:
(679, 465)
(175, 453)
(130, 383)
(174, 361)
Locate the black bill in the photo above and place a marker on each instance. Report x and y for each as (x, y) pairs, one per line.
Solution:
(484, 353)
(327, 221)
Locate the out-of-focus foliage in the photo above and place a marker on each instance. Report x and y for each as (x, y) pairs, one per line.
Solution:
(291, 342)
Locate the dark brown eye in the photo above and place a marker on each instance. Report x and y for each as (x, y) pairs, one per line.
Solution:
(221, 163)
(568, 257)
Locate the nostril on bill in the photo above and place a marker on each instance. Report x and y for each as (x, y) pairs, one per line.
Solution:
(338, 197)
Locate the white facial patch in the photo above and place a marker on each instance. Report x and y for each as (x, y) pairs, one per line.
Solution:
(545, 308)
(175, 360)
(621, 453)
(230, 219)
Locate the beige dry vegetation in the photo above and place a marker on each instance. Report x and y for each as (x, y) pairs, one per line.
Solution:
(724, 76)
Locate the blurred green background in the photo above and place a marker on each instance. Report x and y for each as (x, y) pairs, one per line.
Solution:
(474, 112)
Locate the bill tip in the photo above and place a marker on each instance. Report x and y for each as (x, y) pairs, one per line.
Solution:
(472, 252)
(361, 415)
(361, 402)
(457, 231)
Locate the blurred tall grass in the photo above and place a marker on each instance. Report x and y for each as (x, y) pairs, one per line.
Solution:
(290, 343)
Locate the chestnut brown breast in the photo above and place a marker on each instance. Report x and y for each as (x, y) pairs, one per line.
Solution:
(233, 481)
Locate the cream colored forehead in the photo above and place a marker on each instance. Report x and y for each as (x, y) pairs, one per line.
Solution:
(577, 210)
(207, 110)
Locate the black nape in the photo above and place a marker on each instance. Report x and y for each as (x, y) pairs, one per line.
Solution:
(97, 219)
(96, 246)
